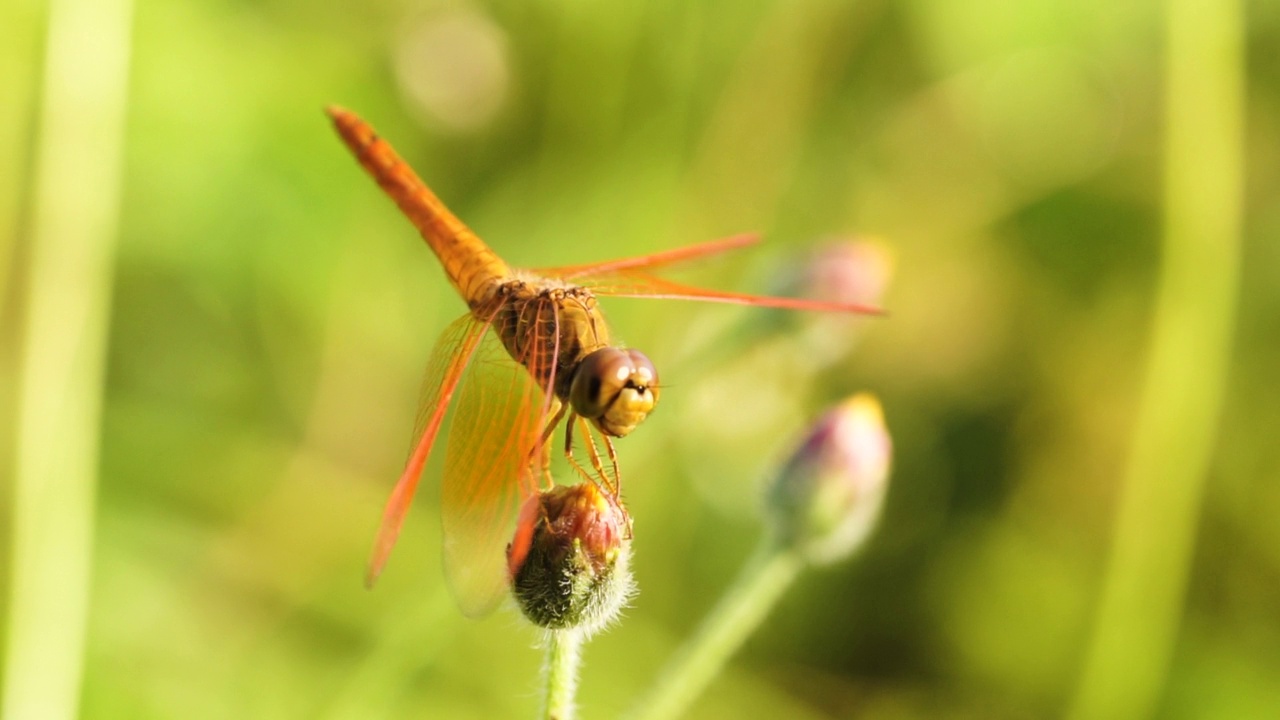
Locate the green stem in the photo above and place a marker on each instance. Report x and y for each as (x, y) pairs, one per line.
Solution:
(1159, 504)
(564, 653)
(739, 613)
(73, 228)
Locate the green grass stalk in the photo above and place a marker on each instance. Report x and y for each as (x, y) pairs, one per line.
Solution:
(75, 205)
(1160, 498)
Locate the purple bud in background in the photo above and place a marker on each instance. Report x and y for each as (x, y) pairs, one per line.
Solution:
(826, 500)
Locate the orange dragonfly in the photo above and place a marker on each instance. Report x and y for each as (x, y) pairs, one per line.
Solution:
(565, 369)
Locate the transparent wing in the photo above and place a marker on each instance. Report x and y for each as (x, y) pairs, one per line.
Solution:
(638, 284)
(450, 358)
(631, 277)
(667, 258)
(493, 461)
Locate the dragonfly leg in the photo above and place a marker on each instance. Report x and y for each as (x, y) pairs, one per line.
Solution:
(568, 449)
(600, 478)
(606, 483)
(544, 443)
(615, 487)
(548, 481)
(611, 485)
(613, 460)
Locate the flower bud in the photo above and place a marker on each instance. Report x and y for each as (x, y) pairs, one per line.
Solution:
(827, 498)
(570, 559)
(849, 271)
(855, 271)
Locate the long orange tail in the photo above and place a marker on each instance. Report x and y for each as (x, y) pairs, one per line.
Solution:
(471, 265)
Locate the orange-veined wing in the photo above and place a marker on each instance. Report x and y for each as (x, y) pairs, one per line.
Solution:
(492, 453)
(494, 458)
(486, 475)
(450, 357)
(635, 284)
(630, 277)
(661, 259)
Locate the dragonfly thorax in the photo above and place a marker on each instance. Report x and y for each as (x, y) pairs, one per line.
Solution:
(548, 329)
(558, 333)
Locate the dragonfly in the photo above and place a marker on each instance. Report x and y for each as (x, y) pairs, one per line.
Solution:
(532, 352)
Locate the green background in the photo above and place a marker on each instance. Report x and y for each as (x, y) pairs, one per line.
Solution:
(272, 312)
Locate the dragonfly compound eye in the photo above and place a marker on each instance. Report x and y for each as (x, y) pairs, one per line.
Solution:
(615, 388)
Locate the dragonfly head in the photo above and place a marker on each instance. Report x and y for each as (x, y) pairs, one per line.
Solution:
(615, 389)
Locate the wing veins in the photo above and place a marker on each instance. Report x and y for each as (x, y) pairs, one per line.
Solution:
(465, 335)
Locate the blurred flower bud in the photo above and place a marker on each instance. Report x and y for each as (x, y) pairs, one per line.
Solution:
(570, 560)
(849, 271)
(827, 498)
(855, 271)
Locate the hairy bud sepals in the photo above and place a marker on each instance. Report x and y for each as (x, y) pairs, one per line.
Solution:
(570, 559)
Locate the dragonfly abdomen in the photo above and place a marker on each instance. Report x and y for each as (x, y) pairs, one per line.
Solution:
(473, 268)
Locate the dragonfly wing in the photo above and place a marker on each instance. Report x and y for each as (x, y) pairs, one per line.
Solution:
(638, 284)
(491, 467)
(450, 358)
(631, 277)
(584, 274)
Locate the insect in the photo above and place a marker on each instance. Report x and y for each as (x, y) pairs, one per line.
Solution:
(532, 352)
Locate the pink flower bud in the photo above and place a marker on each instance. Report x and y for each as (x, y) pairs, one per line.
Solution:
(569, 560)
(846, 271)
(827, 498)
(850, 271)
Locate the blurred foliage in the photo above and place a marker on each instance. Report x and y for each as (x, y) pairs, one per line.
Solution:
(272, 313)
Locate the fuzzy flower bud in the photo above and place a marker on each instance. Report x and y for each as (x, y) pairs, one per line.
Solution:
(827, 498)
(570, 560)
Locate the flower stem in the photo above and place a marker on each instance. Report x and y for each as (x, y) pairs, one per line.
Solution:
(564, 653)
(738, 614)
